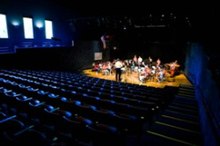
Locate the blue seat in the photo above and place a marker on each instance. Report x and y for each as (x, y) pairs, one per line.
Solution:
(12, 94)
(50, 109)
(35, 103)
(31, 89)
(42, 92)
(23, 98)
(52, 95)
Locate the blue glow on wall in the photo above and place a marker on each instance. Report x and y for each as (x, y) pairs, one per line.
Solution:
(39, 24)
(15, 22)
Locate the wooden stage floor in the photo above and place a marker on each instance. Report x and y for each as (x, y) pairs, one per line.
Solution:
(133, 79)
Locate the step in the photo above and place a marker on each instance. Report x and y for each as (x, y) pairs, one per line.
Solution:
(192, 93)
(157, 139)
(183, 116)
(183, 110)
(179, 104)
(186, 95)
(185, 100)
(175, 132)
(186, 86)
(179, 122)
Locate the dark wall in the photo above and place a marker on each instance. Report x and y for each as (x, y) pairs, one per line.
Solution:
(207, 92)
(75, 58)
(81, 56)
(34, 58)
(163, 43)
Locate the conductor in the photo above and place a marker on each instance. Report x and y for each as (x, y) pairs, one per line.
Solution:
(118, 66)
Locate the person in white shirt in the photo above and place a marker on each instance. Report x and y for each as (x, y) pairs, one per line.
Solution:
(118, 66)
(139, 61)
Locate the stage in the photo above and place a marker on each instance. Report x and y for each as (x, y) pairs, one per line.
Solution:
(132, 78)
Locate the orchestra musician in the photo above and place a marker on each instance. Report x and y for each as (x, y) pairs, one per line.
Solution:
(173, 66)
(142, 75)
(95, 67)
(106, 68)
(135, 59)
(139, 61)
(158, 63)
(150, 61)
(160, 75)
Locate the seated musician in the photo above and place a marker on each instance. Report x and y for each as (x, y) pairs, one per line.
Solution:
(95, 67)
(158, 63)
(148, 72)
(105, 69)
(160, 75)
(142, 75)
(173, 68)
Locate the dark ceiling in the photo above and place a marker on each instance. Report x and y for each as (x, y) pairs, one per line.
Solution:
(121, 7)
(200, 16)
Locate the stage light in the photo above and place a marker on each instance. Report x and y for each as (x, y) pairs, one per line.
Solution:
(15, 22)
(39, 24)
